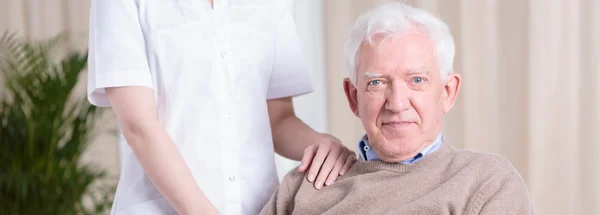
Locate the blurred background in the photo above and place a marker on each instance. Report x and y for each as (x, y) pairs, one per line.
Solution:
(531, 91)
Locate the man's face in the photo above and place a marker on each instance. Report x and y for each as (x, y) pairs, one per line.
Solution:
(399, 95)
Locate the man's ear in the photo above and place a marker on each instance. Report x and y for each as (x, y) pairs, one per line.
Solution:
(451, 90)
(351, 92)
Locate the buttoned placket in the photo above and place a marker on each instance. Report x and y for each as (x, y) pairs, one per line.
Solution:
(229, 143)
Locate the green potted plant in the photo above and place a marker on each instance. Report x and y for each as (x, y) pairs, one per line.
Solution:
(45, 126)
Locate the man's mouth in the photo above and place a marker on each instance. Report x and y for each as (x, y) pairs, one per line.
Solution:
(398, 124)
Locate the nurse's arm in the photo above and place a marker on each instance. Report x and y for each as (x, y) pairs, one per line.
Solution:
(290, 135)
(135, 110)
(326, 156)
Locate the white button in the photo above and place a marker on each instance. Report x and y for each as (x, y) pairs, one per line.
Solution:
(227, 116)
(232, 178)
(223, 54)
(366, 148)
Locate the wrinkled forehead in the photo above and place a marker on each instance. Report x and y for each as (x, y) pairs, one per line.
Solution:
(407, 53)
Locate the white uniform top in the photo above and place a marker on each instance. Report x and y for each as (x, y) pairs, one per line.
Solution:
(212, 71)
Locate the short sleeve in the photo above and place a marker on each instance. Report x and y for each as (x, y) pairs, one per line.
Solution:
(290, 75)
(117, 52)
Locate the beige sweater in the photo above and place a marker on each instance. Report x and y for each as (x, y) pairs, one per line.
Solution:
(448, 181)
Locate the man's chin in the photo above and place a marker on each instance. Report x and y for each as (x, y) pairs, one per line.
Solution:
(399, 133)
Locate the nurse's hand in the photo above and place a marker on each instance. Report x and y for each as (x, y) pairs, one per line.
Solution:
(327, 159)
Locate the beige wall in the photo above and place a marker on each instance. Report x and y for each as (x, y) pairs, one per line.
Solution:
(531, 90)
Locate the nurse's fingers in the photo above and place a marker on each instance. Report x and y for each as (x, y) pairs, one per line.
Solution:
(350, 160)
(322, 151)
(327, 166)
(339, 163)
(307, 157)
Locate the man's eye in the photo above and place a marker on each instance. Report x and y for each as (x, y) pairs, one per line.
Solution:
(418, 80)
(375, 82)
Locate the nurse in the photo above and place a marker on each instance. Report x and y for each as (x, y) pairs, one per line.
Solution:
(202, 93)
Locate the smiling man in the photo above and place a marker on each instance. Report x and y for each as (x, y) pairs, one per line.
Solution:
(401, 84)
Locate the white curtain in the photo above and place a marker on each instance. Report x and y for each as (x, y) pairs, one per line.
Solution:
(41, 19)
(531, 90)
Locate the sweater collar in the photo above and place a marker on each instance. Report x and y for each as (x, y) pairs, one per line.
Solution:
(371, 166)
(367, 153)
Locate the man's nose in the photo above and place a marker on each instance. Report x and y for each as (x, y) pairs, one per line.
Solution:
(397, 99)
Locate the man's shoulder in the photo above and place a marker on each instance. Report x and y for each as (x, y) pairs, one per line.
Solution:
(293, 178)
(499, 184)
(483, 163)
(294, 174)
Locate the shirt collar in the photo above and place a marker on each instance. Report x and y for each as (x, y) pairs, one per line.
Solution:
(368, 154)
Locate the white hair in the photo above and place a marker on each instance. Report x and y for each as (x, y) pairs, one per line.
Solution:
(392, 19)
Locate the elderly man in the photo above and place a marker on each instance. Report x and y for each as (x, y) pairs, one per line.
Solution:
(401, 84)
